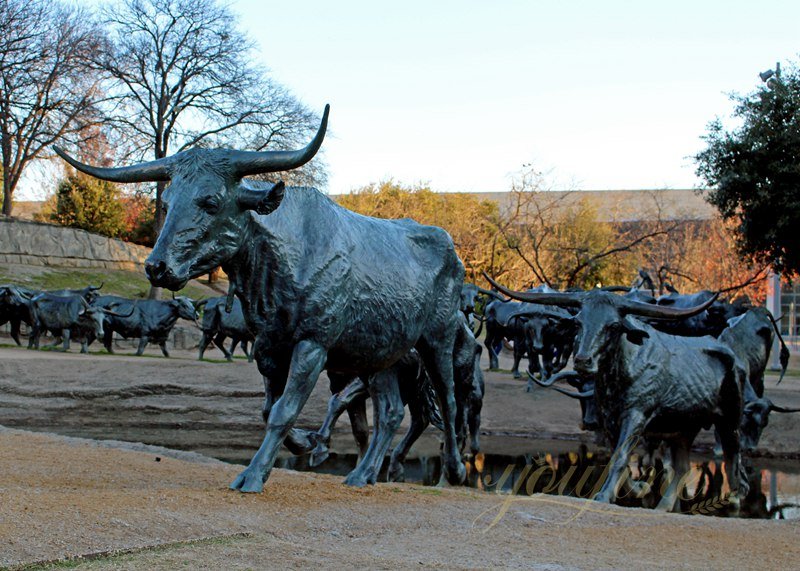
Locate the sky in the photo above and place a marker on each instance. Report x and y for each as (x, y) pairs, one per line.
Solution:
(461, 95)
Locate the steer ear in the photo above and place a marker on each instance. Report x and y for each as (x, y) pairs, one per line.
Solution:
(634, 334)
(262, 201)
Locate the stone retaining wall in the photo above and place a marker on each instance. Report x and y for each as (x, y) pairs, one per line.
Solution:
(38, 244)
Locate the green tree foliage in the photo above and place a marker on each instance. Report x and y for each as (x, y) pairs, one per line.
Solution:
(754, 172)
(88, 203)
(467, 219)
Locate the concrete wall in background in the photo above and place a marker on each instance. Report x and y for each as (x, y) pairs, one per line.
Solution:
(37, 244)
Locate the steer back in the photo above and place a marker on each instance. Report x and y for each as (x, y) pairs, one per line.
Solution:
(363, 288)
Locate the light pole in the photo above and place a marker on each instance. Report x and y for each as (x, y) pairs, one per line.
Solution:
(772, 78)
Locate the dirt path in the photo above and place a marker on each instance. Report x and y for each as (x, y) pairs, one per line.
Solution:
(63, 498)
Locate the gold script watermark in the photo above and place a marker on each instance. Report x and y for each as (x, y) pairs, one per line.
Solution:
(524, 490)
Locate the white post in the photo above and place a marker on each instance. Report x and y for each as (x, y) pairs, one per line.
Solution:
(774, 307)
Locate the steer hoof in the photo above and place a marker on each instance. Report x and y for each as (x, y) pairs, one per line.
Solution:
(318, 455)
(604, 497)
(517, 375)
(356, 480)
(396, 473)
(249, 482)
(457, 476)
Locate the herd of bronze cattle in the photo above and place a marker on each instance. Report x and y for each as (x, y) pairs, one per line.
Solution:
(381, 305)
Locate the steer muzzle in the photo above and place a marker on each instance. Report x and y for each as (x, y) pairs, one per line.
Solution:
(585, 364)
(161, 275)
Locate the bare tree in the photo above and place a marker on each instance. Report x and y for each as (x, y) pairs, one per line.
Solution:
(47, 91)
(183, 77)
(562, 242)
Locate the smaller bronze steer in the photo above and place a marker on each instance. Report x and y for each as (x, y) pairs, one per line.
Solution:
(649, 383)
(149, 320)
(67, 316)
(219, 323)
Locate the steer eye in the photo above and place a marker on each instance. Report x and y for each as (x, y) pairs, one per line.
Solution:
(209, 204)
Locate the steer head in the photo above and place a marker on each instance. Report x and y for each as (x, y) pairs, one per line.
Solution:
(92, 317)
(602, 321)
(186, 308)
(207, 203)
(755, 418)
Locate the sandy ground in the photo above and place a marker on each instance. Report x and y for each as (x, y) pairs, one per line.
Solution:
(63, 497)
(66, 498)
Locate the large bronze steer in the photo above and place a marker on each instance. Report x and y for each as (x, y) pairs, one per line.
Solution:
(649, 383)
(321, 286)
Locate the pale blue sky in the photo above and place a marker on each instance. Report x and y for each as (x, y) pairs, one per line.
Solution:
(602, 95)
(462, 94)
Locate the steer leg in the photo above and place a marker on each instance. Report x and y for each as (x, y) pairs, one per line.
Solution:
(519, 353)
(15, 331)
(354, 391)
(533, 368)
(438, 360)
(489, 343)
(66, 334)
(680, 462)
(419, 422)
(143, 340)
(475, 404)
(219, 341)
(108, 339)
(204, 342)
(359, 425)
(631, 429)
(308, 360)
(387, 408)
(163, 345)
(737, 477)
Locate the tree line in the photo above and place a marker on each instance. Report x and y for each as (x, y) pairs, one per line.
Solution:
(561, 240)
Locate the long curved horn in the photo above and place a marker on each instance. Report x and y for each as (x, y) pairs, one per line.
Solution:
(562, 299)
(580, 396)
(615, 288)
(116, 314)
(549, 382)
(257, 162)
(776, 408)
(153, 171)
(491, 293)
(662, 312)
(95, 288)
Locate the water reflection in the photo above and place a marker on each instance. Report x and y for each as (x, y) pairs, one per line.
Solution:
(580, 473)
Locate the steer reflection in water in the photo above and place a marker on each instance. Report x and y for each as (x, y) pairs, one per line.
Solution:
(320, 286)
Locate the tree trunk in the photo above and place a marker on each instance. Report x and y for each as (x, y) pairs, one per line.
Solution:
(6, 198)
(155, 292)
(7, 188)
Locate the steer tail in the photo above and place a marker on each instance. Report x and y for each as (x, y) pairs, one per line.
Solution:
(784, 356)
(430, 404)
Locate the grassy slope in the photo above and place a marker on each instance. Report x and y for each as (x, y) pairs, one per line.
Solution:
(115, 282)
